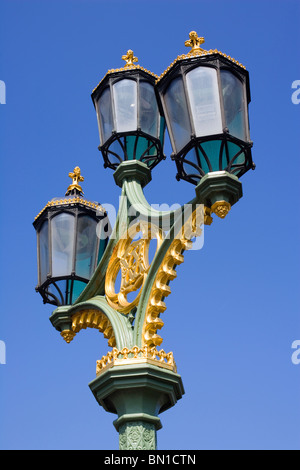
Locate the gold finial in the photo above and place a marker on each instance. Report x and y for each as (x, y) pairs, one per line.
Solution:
(129, 58)
(194, 42)
(77, 178)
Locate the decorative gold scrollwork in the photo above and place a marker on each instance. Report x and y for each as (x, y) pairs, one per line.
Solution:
(131, 259)
(166, 273)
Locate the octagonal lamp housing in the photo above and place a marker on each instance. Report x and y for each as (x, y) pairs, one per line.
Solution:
(72, 235)
(130, 124)
(204, 96)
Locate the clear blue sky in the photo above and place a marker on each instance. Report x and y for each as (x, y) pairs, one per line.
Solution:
(234, 309)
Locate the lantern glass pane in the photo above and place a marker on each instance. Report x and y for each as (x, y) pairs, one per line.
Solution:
(176, 106)
(125, 99)
(203, 91)
(138, 147)
(116, 152)
(234, 104)
(59, 291)
(86, 246)
(210, 151)
(149, 114)
(43, 252)
(78, 287)
(63, 234)
(105, 117)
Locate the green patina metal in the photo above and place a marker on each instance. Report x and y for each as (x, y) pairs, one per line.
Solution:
(137, 393)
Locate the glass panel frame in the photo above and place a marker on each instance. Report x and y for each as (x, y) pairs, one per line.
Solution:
(234, 104)
(105, 115)
(87, 244)
(180, 128)
(148, 109)
(125, 101)
(204, 100)
(63, 235)
(43, 252)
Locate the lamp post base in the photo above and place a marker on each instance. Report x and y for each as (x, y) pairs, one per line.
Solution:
(137, 393)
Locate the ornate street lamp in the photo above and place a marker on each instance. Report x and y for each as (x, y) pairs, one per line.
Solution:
(130, 124)
(204, 96)
(71, 239)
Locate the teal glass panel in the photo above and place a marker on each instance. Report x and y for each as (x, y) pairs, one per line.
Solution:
(78, 287)
(105, 116)
(86, 246)
(233, 150)
(177, 110)
(62, 234)
(203, 91)
(138, 147)
(235, 105)
(148, 113)
(43, 252)
(102, 246)
(162, 128)
(212, 150)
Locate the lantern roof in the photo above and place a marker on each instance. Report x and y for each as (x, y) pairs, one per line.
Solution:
(74, 195)
(131, 64)
(195, 43)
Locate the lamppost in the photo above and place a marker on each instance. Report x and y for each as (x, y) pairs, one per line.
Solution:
(115, 286)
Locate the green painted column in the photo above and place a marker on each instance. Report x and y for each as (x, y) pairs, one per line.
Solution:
(137, 435)
(137, 393)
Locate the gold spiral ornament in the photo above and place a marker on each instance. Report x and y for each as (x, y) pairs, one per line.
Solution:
(131, 259)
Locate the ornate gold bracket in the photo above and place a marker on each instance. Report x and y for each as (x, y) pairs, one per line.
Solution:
(130, 258)
(90, 319)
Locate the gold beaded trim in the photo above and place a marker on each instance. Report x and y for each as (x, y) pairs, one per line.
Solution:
(127, 67)
(198, 53)
(75, 200)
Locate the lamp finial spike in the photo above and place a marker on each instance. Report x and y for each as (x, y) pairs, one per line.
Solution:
(77, 178)
(129, 58)
(194, 42)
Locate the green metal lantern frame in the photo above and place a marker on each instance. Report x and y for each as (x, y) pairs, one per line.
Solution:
(181, 68)
(155, 144)
(76, 210)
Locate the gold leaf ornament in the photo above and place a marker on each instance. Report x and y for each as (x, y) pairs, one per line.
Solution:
(131, 259)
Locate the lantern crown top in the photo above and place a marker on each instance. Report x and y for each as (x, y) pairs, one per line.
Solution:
(131, 64)
(77, 178)
(194, 42)
(129, 58)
